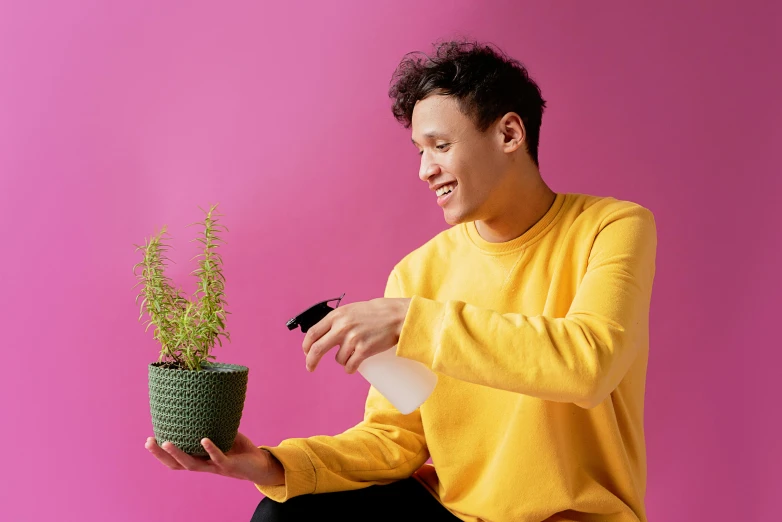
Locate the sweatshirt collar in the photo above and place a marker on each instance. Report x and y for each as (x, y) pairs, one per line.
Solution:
(523, 240)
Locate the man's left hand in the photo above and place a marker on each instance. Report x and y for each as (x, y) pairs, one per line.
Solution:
(360, 329)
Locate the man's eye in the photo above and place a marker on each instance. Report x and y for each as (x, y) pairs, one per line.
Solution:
(420, 153)
(442, 146)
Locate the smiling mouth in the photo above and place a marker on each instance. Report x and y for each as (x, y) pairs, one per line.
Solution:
(446, 189)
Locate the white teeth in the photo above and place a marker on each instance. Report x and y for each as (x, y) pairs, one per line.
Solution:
(445, 189)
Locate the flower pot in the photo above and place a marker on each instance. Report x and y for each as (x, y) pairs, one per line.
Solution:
(188, 405)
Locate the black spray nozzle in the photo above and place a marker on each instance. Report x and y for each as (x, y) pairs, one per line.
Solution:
(313, 314)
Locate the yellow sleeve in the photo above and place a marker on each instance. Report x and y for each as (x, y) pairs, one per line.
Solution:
(384, 447)
(580, 358)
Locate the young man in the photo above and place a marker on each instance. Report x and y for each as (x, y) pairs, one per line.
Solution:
(533, 310)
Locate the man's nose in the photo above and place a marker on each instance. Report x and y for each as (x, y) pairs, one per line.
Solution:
(428, 168)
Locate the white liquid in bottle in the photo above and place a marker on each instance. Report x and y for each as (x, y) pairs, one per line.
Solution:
(404, 382)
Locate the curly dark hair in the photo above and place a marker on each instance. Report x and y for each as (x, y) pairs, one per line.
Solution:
(486, 83)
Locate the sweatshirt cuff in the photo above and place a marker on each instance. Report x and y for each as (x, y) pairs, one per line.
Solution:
(299, 473)
(420, 335)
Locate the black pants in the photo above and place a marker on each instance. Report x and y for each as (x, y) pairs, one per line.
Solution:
(404, 500)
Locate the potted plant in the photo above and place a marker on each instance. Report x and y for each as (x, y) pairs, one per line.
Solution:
(190, 396)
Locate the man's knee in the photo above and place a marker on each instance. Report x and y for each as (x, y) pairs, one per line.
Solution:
(270, 511)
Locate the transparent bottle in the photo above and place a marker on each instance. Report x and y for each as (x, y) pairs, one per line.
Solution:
(404, 382)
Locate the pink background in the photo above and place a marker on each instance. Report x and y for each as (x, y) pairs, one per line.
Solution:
(119, 117)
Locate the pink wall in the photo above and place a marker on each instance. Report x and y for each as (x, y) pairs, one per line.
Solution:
(116, 118)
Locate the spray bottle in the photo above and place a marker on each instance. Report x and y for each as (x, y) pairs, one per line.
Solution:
(404, 382)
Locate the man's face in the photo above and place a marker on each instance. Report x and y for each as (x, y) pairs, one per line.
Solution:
(456, 156)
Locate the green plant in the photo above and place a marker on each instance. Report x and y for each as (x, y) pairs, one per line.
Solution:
(187, 329)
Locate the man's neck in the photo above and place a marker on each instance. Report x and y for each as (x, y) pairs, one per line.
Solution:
(519, 215)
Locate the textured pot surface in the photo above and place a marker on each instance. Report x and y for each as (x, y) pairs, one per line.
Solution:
(188, 406)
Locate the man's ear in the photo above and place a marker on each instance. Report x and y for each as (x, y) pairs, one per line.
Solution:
(512, 132)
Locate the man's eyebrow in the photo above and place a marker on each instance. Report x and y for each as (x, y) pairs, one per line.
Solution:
(430, 135)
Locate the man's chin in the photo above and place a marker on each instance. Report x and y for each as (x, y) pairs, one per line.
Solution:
(454, 219)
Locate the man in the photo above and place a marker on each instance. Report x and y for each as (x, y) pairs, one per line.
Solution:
(533, 310)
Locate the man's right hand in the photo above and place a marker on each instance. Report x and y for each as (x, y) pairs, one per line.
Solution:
(244, 461)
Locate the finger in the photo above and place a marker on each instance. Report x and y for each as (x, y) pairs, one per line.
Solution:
(217, 456)
(321, 347)
(188, 462)
(317, 331)
(354, 361)
(344, 352)
(161, 454)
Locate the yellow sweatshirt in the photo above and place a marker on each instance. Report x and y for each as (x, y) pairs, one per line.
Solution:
(541, 346)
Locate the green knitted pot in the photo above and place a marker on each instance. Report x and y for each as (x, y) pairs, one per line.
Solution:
(188, 405)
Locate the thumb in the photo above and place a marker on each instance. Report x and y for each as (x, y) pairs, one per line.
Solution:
(217, 456)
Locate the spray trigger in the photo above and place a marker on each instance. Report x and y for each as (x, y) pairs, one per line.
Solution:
(313, 314)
